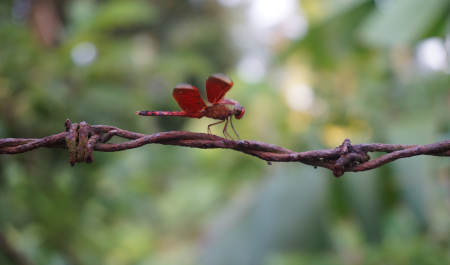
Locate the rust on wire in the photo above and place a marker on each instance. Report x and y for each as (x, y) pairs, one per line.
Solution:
(88, 156)
(82, 139)
(83, 133)
(71, 141)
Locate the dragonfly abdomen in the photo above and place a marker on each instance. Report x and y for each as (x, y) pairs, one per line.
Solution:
(161, 113)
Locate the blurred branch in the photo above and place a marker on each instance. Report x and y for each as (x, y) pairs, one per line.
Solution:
(46, 22)
(82, 139)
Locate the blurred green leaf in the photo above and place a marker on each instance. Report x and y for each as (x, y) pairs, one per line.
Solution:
(285, 213)
(413, 175)
(121, 14)
(408, 21)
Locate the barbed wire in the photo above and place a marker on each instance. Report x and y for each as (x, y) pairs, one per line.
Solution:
(82, 139)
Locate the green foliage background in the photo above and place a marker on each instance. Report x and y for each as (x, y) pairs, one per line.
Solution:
(172, 205)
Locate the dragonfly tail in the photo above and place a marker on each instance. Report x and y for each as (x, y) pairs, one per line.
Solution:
(161, 113)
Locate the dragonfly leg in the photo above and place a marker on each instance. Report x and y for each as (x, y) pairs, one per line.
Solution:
(231, 121)
(209, 129)
(225, 130)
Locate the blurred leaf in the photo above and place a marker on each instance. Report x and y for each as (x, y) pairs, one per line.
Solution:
(333, 38)
(362, 191)
(121, 14)
(406, 22)
(285, 213)
(413, 174)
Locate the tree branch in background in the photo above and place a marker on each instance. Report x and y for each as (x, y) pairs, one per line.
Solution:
(82, 139)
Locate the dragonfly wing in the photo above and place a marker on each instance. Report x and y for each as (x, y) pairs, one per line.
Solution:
(217, 86)
(227, 101)
(188, 98)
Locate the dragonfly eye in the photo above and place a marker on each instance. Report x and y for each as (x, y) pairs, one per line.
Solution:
(238, 111)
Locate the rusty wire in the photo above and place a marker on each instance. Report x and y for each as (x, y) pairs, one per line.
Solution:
(82, 139)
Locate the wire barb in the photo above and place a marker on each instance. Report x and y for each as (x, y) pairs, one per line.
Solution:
(82, 139)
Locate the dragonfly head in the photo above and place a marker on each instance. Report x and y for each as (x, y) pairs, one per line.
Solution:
(238, 111)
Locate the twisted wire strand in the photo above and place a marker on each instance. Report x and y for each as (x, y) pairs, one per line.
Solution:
(83, 139)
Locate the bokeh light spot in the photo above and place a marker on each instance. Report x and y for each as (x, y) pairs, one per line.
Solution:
(431, 54)
(267, 13)
(229, 3)
(300, 97)
(84, 53)
(295, 27)
(251, 69)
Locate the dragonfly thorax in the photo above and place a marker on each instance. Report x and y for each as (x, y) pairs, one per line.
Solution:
(218, 112)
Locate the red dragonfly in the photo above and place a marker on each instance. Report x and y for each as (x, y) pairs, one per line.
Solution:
(193, 106)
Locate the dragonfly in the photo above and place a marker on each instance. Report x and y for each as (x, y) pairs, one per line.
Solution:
(193, 106)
